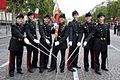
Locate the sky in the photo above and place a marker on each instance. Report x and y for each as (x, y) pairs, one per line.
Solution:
(82, 6)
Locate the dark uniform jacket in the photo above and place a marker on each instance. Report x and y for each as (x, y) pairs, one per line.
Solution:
(63, 33)
(75, 32)
(87, 29)
(30, 29)
(118, 27)
(17, 39)
(45, 32)
(101, 33)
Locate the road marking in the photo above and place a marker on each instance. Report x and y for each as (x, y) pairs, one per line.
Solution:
(75, 74)
(5, 64)
(115, 48)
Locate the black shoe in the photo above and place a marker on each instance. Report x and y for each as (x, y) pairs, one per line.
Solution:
(30, 70)
(86, 70)
(11, 74)
(62, 70)
(98, 72)
(77, 67)
(104, 69)
(35, 67)
(41, 70)
(72, 70)
(51, 69)
(45, 68)
(20, 72)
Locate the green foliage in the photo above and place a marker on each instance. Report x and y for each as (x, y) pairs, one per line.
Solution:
(45, 6)
(112, 9)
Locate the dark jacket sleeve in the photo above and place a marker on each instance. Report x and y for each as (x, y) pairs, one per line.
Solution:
(16, 33)
(66, 35)
(70, 31)
(81, 34)
(91, 34)
(27, 30)
(41, 31)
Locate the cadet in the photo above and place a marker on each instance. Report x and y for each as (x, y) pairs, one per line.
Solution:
(30, 29)
(16, 45)
(60, 43)
(75, 32)
(45, 40)
(102, 40)
(118, 29)
(88, 27)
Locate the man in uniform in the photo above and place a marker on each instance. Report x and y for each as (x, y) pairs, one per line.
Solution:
(75, 32)
(60, 43)
(46, 41)
(30, 29)
(16, 45)
(102, 39)
(88, 27)
(118, 29)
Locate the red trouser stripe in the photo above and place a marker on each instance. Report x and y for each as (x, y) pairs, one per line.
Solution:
(69, 59)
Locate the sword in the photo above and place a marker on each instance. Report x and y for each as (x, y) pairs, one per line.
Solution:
(76, 55)
(71, 55)
(41, 50)
(47, 50)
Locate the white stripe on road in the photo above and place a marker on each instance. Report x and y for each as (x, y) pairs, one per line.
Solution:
(115, 48)
(75, 74)
(5, 64)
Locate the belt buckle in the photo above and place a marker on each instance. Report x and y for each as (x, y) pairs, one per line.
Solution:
(104, 38)
(101, 38)
(76, 34)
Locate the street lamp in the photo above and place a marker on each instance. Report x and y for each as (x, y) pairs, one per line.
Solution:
(28, 6)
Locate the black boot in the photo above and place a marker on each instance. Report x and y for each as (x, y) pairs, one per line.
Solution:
(41, 70)
(104, 69)
(11, 74)
(86, 70)
(62, 70)
(78, 67)
(98, 72)
(31, 70)
(71, 69)
(51, 69)
(20, 72)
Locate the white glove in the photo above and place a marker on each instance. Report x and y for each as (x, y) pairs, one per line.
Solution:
(26, 41)
(85, 43)
(36, 41)
(57, 43)
(47, 41)
(70, 43)
(79, 44)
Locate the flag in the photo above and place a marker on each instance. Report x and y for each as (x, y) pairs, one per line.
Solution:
(56, 12)
(56, 17)
(2, 4)
(36, 14)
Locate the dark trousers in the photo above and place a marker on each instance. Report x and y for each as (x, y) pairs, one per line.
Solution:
(32, 60)
(43, 57)
(103, 59)
(115, 30)
(54, 60)
(86, 61)
(15, 56)
(72, 62)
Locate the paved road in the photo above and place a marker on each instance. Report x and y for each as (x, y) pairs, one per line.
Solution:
(113, 66)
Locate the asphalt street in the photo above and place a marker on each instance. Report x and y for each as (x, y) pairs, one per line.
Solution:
(113, 65)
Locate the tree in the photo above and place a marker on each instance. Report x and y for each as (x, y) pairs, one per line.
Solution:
(45, 6)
